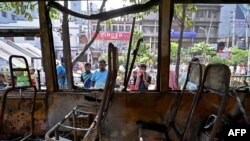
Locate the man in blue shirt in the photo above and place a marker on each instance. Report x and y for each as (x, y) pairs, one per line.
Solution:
(60, 71)
(98, 79)
(86, 76)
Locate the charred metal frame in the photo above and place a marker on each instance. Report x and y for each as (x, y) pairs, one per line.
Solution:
(222, 91)
(19, 32)
(60, 124)
(128, 55)
(135, 52)
(189, 76)
(165, 18)
(108, 92)
(14, 87)
(47, 47)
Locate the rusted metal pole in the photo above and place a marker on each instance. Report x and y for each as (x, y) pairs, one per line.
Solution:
(164, 45)
(128, 55)
(66, 49)
(47, 48)
(133, 62)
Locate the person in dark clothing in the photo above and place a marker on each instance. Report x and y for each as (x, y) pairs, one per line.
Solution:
(86, 76)
(143, 79)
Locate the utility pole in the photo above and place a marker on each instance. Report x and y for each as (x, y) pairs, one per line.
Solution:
(247, 44)
(247, 26)
(89, 56)
(228, 38)
(205, 30)
(233, 29)
(208, 33)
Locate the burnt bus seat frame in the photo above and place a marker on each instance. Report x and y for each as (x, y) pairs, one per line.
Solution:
(14, 87)
(240, 100)
(194, 75)
(194, 68)
(108, 91)
(216, 79)
(94, 130)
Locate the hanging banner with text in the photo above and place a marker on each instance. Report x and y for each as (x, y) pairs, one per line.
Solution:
(112, 35)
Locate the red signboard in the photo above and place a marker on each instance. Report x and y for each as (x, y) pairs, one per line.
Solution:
(112, 35)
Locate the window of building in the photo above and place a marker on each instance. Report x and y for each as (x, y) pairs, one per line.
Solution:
(108, 28)
(213, 31)
(143, 29)
(115, 28)
(93, 27)
(102, 28)
(121, 28)
(200, 14)
(29, 38)
(13, 17)
(128, 28)
(210, 14)
(196, 29)
(4, 14)
(148, 28)
(152, 29)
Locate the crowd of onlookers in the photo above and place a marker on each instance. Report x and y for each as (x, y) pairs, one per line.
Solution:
(140, 79)
(95, 80)
(94, 77)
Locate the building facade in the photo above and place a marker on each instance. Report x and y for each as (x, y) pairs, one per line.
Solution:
(234, 24)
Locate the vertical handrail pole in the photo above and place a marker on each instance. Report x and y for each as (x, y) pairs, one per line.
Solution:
(129, 50)
(39, 79)
(133, 61)
(74, 125)
(56, 134)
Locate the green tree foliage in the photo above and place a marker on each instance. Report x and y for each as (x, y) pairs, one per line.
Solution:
(185, 56)
(238, 56)
(203, 49)
(183, 16)
(25, 8)
(217, 59)
(19, 8)
(178, 14)
(145, 52)
(174, 48)
(145, 55)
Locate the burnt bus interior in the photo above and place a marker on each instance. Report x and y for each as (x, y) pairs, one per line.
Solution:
(30, 113)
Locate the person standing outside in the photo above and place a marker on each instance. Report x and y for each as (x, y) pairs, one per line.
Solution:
(99, 77)
(33, 76)
(60, 71)
(132, 81)
(3, 85)
(86, 76)
(143, 79)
